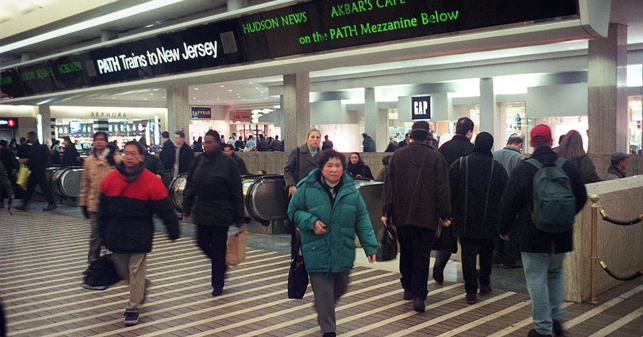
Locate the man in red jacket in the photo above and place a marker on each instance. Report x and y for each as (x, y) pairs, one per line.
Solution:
(130, 196)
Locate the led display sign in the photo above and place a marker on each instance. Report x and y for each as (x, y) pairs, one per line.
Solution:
(305, 28)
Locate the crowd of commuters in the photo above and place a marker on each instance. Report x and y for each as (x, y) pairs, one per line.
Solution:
(487, 197)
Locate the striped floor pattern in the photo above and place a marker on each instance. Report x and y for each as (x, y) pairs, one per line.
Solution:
(43, 255)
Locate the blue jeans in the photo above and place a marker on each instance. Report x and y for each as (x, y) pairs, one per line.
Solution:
(544, 275)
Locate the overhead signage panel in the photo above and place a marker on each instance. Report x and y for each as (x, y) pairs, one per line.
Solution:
(310, 27)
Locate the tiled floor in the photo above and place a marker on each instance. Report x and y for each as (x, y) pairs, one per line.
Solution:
(42, 256)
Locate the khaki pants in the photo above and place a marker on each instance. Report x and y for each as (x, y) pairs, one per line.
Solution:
(95, 242)
(131, 268)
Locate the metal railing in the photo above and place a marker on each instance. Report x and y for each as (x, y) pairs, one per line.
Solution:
(596, 210)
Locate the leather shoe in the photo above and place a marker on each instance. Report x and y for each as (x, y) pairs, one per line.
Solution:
(217, 292)
(50, 207)
(408, 295)
(557, 328)
(471, 298)
(534, 333)
(418, 304)
(485, 290)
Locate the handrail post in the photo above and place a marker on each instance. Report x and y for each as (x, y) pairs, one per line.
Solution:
(594, 257)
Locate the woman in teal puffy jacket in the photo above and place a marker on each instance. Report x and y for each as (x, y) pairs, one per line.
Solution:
(329, 211)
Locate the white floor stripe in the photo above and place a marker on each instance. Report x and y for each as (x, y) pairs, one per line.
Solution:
(618, 324)
(521, 324)
(452, 314)
(254, 308)
(151, 297)
(602, 307)
(486, 319)
(344, 307)
(39, 291)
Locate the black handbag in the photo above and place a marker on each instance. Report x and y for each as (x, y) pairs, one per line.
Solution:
(297, 275)
(386, 244)
(297, 278)
(101, 274)
(444, 240)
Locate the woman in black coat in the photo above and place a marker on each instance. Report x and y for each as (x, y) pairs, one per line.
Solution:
(214, 178)
(356, 167)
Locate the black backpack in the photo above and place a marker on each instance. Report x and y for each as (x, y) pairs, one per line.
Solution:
(100, 274)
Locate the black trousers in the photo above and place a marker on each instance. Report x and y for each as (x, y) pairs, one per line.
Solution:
(213, 242)
(39, 177)
(415, 257)
(471, 248)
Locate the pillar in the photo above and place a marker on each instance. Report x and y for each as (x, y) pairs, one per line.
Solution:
(607, 92)
(375, 120)
(44, 111)
(236, 4)
(178, 110)
(108, 35)
(489, 116)
(296, 107)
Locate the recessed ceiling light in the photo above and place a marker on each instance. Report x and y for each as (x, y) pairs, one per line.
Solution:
(223, 86)
(229, 89)
(193, 97)
(151, 94)
(206, 92)
(196, 88)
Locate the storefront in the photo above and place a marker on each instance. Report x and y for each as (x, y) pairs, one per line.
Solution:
(121, 124)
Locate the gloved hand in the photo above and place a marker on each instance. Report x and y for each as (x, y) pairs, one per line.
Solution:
(85, 212)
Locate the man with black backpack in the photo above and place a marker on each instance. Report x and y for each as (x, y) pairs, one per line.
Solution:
(545, 192)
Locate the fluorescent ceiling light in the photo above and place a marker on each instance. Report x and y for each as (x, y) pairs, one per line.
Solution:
(135, 10)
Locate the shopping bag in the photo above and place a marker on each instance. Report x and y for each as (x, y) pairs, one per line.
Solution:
(23, 175)
(101, 274)
(444, 240)
(297, 278)
(386, 244)
(236, 251)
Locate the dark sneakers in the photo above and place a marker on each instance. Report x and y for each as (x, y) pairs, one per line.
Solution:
(471, 298)
(131, 318)
(438, 275)
(418, 304)
(558, 328)
(485, 290)
(534, 333)
(407, 295)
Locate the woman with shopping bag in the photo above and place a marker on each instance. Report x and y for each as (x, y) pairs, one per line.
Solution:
(328, 211)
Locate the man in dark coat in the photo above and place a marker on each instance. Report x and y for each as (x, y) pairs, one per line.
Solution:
(542, 253)
(167, 157)
(416, 195)
(477, 182)
(229, 150)
(129, 197)
(262, 145)
(459, 146)
(183, 154)
(37, 155)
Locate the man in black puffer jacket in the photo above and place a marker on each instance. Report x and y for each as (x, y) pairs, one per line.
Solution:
(130, 196)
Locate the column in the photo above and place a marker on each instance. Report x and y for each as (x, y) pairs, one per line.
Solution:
(44, 111)
(296, 107)
(236, 4)
(178, 110)
(607, 92)
(489, 116)
(375, 121)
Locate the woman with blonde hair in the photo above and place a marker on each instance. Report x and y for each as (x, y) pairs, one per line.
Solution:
(302, 160)
(571, 148)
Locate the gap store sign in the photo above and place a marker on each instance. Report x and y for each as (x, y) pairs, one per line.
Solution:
(305, 28)
(421, 107)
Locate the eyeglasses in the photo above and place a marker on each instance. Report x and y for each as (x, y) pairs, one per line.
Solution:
(131, 154)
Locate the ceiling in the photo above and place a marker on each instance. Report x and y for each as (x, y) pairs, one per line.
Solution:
(238, 93)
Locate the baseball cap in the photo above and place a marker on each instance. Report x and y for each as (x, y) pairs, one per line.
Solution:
(541, 133)
(616, 156)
